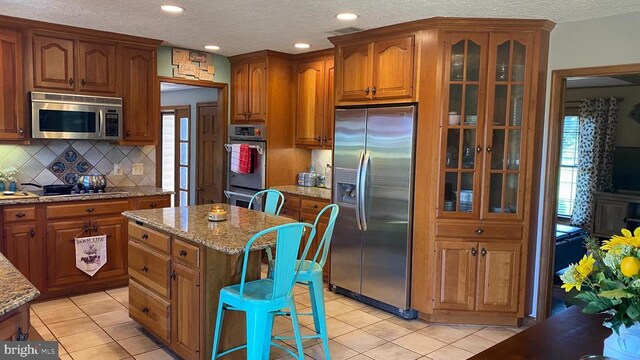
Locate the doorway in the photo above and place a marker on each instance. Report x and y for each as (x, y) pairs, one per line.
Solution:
(563, 231)
(191, 157)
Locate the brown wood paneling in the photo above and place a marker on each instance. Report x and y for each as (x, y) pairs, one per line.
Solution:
(393, 68)
(310, 77)
(149, 268)
(97, 67)
(53, 62)
(139, 93)
(152, 238)
(498, 277)
(211, 154)
(186, 253)
(153, 202)
(455, 275)
(150, 310)
(19, 214)
(479, 230)
(185, 312)
(12, 110)
(87, 208)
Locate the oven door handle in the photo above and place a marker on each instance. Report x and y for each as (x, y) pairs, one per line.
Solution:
(229, 194)
(100, 122)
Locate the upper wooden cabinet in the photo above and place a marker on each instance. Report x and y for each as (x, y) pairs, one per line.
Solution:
(61, 63)
(377, 71)
(314, 101)
(139, 89)
(249, 91)
(13, 123)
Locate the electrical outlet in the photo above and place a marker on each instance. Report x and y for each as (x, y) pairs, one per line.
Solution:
(137, 169)
(117, 169)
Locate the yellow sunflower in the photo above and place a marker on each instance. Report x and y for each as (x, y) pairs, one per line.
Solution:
(617, 242)
(585, 266)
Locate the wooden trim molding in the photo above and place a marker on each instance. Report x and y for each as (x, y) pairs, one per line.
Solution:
(200, 83)
(554, 132)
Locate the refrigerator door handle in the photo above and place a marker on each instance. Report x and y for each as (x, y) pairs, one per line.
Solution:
(359, 190)
(362, 185)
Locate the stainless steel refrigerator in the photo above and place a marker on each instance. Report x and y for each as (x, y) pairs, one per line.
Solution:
(373, 185)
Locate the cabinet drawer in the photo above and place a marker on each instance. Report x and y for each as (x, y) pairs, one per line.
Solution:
(149, 237)
(291, 202)
(86, 208)
(292, 214)
(16, 214)
(313, 205)
(186, 253)
(154, 203)
(149, 268)
(479, 231)
(150, 310)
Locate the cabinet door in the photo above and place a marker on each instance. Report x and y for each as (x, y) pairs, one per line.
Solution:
(461, 125)
(509, 83)
(309, 103)
(239, 92)
(12, 119)
(609, 217)
(115, 229)
(16, 325)
(455, 275)
(17, 242)
(53, 63)
(96, 67)
(320, 230)
(257, 91)
(393, 68)
(329, 105)
(498, 277)
(139, 93)
(185, 312)
(354, 72)
(61, 253)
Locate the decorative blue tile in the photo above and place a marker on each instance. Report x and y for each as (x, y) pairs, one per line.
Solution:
(70, 178)
(70, 155)
(58, 167)
(82, 167)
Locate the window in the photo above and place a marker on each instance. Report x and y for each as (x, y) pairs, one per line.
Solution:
(175, 154)
(568, 166)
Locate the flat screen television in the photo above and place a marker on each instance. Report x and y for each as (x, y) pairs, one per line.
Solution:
(626, 168)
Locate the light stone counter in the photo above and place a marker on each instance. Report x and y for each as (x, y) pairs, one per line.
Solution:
(191, 223)
(316, 192)
(112, 193)
(15, 289)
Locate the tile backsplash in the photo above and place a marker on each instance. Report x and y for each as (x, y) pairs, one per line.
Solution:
(52, 161)
(320, 159)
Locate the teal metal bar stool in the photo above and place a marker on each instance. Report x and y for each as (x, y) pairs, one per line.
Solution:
(311, 275)
(262, 299)
(273, 201)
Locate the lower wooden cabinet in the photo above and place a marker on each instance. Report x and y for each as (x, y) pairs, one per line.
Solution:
(149, 310)
(14, 325)
(185, 311)
(18, 240)
(477, 276)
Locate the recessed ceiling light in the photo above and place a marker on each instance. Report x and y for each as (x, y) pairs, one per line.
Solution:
(302, 46)
(172, 9)
(347, 16)
(212, 47)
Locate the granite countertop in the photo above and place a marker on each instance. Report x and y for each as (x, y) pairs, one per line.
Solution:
(15, 289)
(230, 236)
(316, 192)
(112, 193)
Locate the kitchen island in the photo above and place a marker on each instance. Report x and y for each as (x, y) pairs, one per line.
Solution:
(15, 293)
(179, 261)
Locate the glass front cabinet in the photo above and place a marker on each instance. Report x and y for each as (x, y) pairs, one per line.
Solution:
(484, 125)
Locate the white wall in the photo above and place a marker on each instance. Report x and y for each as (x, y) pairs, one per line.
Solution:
(190, 97)
(611, 40)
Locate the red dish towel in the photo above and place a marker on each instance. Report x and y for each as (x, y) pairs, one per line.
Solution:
(244, 159)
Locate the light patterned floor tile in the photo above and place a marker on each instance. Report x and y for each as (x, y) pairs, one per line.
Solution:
(419, 343)
(358, 318)
(495, 334)
(391, 351)
(84, 340)
(90, 298)
(304, 331)
(124, 331)
(281, 324)
(335, 308)
(120, 294)
(138, 344)
(108, 351)
(57, 304)
(387, 330)
(377, 312)
(71, 327)
(360, 341)
(64, 357)
(353, 303)
(101, 307)
(450, 352)
(413, 325)
(112, 318)
(469, 329)
(361, 357)
(336, 350)
(54, 316)
(474, 343)
(336, 328)
(158, 354)
(443, 333)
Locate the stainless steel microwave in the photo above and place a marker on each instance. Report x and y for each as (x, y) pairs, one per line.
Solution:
(67, 116)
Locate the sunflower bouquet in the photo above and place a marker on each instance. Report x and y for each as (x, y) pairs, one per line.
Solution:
(608, 279)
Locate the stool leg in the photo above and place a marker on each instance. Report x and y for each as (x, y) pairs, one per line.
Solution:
(218, 330)
(256, 334)
(266, 350)
(319, 318)
(296, 328)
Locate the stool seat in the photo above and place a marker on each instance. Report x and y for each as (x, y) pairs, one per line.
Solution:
(254, 292)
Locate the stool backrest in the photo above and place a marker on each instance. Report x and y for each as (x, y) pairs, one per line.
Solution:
(325, 243)
(288, 239)
(273, 201)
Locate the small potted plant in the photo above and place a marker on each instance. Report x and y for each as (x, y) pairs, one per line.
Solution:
(608, 281)
(2, 180)
(10, 176)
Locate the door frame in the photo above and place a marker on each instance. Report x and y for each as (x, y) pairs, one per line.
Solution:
(554, 132)
(222, 109)
(222, 114)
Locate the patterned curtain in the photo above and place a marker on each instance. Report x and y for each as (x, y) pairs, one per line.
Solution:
(598, 118)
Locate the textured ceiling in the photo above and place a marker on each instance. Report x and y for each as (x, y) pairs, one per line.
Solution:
(240, 26)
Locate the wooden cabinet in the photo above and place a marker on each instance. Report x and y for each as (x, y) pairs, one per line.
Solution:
(376, 71)
(19, 240)
(455, 275)
(314, 100)
(13, 122)
(96, 67)
(61, 251)
(185, 311)
(14, 325)
(140, 110)
(614, 211)
(249, 91)
(498, 277)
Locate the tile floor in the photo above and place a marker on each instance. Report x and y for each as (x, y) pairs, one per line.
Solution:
(97, 326)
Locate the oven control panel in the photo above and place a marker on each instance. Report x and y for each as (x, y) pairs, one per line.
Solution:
(247, 132)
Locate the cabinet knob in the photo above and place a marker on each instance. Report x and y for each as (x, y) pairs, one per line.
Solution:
(70, 81)
(85, 228)
(32, 233)
(474, 252)
(489, 149)
(479, 231)
(21, 336)
(128, 133)
(366, 91)
(373, 90)
(315, 206)
(153, 205)
(478, 149)
(83, 83)
(21, 131)
(172, 275)
(183, 253)
(145, 269)
(20, 215)
(90, 210)
(483, 252)
(145, 236)
(145, 310)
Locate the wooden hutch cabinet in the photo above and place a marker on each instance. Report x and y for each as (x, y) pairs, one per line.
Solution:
(13, 120)
(479, 85)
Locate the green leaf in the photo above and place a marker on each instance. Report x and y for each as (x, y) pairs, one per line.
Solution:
(633, 312)
(616, 294)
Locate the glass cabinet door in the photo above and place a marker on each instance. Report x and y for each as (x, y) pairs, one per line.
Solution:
(508, 87)
(463, 117)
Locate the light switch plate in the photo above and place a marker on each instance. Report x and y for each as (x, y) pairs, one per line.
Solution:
(117, 169)
(137, 169)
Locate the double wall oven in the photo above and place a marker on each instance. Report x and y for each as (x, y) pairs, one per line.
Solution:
(243, 186)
